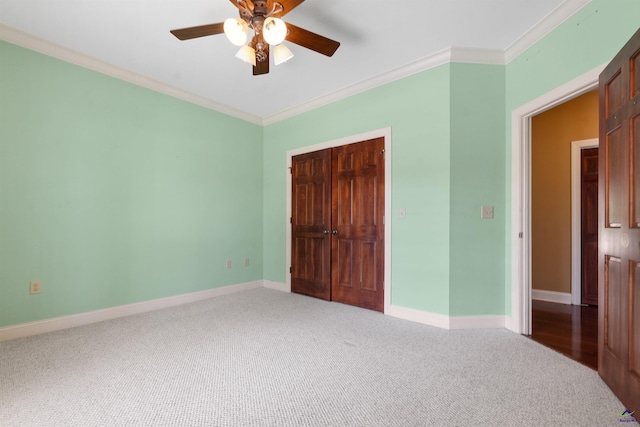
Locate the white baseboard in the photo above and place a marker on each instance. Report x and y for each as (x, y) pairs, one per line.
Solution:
(511, 325)
(447, 322)
(278, 286)
(424, 317)
(551, 296)
(477, 322)
(58, 323)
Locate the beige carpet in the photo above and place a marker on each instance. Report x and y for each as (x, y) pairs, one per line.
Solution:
(266, 358)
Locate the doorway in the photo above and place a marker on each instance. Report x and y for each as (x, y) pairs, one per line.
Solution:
(521, 233)
(617, 362)
(384, 133)
(555, 219)
(564, 212)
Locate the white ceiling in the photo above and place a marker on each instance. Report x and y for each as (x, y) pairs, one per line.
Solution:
(377, 37)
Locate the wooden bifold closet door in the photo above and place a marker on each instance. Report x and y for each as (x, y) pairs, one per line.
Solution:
(337, 250)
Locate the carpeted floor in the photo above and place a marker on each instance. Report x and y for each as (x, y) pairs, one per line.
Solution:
(267, 358)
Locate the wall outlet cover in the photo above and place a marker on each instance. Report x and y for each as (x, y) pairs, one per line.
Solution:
(35, 287)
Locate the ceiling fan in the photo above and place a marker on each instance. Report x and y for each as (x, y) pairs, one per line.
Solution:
(263, 17)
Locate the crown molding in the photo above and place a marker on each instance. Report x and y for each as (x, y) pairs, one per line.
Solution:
(13, 36)
(432, 61)
(556, 17)
(453, 54)
(445, 56)
(472, 55)
(551, 21)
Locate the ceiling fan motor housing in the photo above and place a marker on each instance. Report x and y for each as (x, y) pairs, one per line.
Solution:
(257, 22)
(259, 7)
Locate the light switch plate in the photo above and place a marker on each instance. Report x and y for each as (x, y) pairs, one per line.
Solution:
(487, 212)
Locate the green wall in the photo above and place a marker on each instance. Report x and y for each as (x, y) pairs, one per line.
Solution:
(588, 39)
(113, 194)
(417, 110)
(477, 179)
(445, 259)
(447, 159)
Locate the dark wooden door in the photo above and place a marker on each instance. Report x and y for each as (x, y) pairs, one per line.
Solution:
(357, 245)
(310, 223)
(589, 225)
(619, 226)
(337, 250)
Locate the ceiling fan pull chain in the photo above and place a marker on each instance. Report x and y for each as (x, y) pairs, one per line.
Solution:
(242, 5)
(277, 8)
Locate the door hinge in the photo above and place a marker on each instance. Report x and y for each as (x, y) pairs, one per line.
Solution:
(290, 270)
(290, 220)
(290, 170)
(520, 235)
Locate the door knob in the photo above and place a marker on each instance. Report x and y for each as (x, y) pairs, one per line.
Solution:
(325, 231)
(334, 231)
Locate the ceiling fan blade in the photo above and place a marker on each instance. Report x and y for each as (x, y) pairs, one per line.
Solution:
(262, 67)
(312, 41)
(200, 31)
(287, 6)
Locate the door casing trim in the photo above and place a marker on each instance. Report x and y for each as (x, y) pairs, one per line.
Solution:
(520, 320)
(379, 133)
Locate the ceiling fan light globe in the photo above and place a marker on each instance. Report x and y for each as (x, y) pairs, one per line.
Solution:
(247, 54)
(274, 31)
(281, 53)
(236, 31)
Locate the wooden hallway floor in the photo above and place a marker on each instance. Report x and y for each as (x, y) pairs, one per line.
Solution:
(569, 329)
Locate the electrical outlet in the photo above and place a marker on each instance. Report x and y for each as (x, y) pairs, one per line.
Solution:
(35, 287)
(246, 262)
(228, 263)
